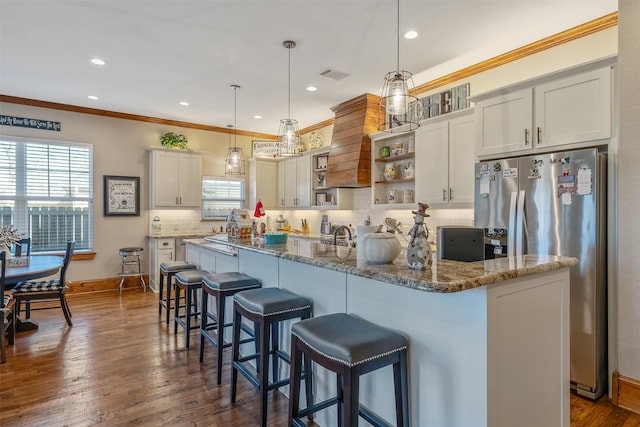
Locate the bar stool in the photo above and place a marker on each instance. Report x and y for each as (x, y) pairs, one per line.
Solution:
(220, 286)
(131, 266)
(189, 281)
(168, 270)
(349, 347)
(266, 307)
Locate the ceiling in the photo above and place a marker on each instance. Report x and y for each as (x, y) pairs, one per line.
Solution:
(161, 52)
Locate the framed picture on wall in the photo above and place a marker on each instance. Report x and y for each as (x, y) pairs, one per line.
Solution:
(321, 199)
(121, 195)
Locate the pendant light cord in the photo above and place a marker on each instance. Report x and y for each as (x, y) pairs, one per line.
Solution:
(235, 115)
(289, 80)
(398, 39)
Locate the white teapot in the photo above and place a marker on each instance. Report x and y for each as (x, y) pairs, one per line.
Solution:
(379, 247)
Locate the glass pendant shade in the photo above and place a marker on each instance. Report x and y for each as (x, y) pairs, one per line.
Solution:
(398, 109)
(289, 139)
(235, 162)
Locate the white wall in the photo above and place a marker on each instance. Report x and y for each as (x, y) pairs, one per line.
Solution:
(629, 190)
(120, 149)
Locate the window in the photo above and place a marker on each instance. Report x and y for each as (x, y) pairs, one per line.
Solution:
(220, 195)
(46, 192)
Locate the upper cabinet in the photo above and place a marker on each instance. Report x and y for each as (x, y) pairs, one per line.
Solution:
(176, 178)
(444, 162)
(264, 175)
(569, 110)
(296, 176)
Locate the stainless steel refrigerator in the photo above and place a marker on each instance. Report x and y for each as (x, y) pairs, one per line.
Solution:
(555, 204)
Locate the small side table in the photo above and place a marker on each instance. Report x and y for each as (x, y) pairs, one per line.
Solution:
(131, 266)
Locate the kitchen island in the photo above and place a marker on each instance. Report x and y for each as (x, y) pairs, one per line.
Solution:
(489, 340)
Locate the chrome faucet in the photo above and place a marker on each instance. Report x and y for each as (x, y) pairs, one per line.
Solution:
(335, 234)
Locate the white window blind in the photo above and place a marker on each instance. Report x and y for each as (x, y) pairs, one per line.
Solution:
(46, 192)
(221, 195)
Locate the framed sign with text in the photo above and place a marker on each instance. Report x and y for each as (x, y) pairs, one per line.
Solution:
(121, 195)
(264, 149)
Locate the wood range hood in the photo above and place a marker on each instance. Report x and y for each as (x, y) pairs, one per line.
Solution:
(349, 163)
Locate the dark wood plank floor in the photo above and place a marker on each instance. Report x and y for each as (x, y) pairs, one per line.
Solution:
(120, 365)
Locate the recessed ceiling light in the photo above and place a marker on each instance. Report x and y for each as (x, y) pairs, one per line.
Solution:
(92, 97)
(97, 61)
(311, 88)
(184, 103)
(257, 116)
(410, 35)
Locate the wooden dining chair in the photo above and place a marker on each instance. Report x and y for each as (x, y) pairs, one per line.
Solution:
(50, 290)
(7, 312)
(22, 247)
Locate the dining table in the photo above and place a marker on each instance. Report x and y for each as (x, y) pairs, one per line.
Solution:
(39, 266)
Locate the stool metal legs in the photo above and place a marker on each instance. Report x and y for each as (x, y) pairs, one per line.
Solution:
(131, 267)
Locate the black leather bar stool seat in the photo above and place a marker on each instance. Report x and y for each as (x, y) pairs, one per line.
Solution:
(168, 270)
(189, 281)
(266, 307)
(220, 286)
(349, 347)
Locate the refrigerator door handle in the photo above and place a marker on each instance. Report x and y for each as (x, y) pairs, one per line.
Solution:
(511, 236)
(520, 224)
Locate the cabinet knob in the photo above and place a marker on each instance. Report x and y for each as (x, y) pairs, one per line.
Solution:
(526, 137)
(450, 194)
(444, 194)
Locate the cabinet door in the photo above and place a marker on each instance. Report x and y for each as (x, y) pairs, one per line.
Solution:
(164, 178)
(281, 191)
(574, 109)
(264, 180)
(303, 177)
(432, 159)
(462, 133)
(190, 180)
(290, 185)
(504, 123)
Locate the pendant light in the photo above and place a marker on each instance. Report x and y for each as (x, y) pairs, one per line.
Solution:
(289, 135)
(394, 106)
(235, 162)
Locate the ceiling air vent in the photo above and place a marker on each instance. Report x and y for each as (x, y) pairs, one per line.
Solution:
(333, 74)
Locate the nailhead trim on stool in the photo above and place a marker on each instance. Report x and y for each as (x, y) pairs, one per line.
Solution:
(350, 347)
(266, 307)
(169, 270)
(190, 281)
(220, 286)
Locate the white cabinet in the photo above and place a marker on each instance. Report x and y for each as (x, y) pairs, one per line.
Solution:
(297, 182)
(175, 178)
(569, 110)
(264, 176)
(504, 122)
(160, 250)
(444, 162)
(573, 109)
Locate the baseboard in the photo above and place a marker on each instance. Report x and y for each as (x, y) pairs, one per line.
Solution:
(625, 392)
(105, 285)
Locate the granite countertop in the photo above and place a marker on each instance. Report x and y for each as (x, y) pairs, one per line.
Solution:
(179, 234)
(445, 277)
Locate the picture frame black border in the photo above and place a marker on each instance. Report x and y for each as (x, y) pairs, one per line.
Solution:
(325, 157)
(133, 179)
(324, 195)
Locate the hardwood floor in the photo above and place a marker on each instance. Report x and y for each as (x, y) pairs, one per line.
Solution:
(121, 365)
